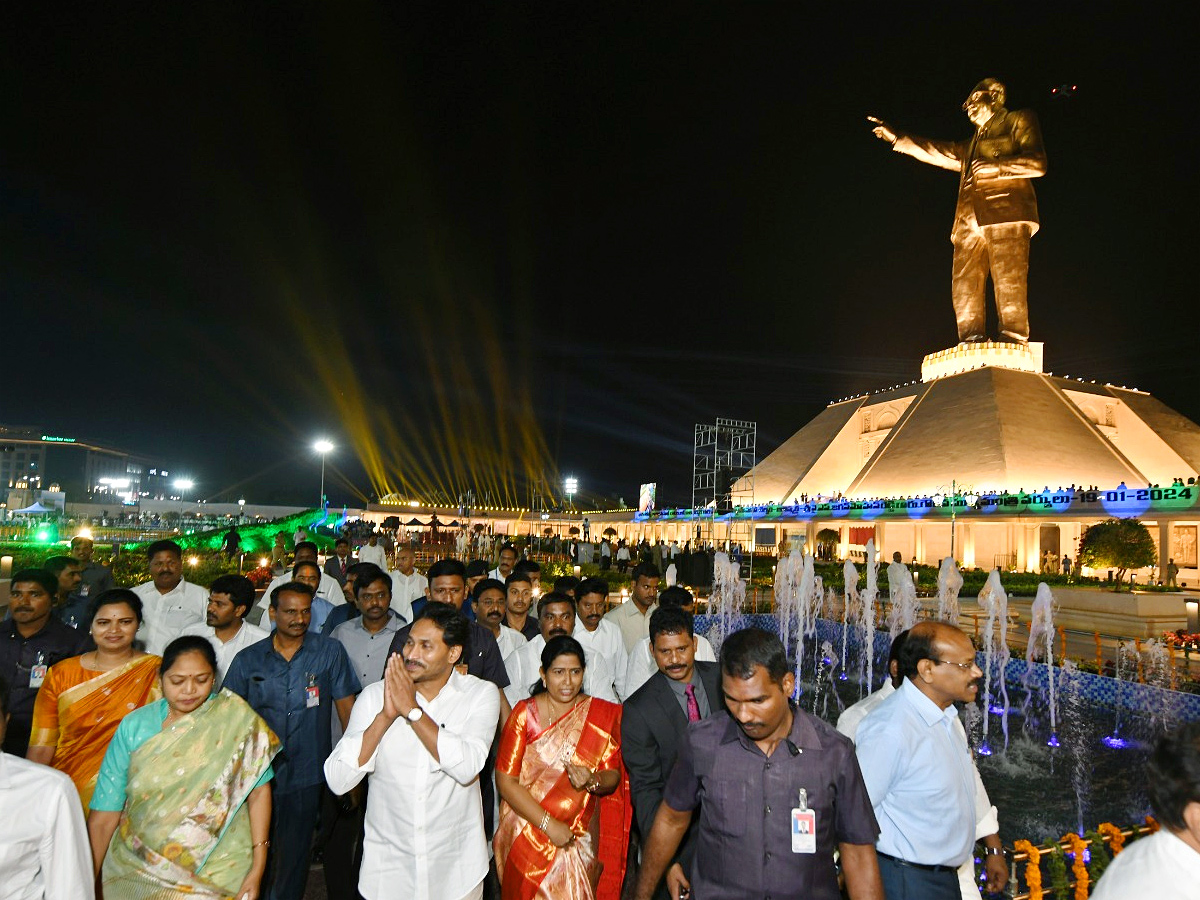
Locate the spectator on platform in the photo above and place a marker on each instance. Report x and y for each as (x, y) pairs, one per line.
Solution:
(229, 600)
(169, 602)
(31, 640)
(45, 848)
(1165, 865)
(295, 680)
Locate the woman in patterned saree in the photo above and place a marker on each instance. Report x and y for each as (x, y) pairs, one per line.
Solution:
(558, 771)
(83, 699)
(182, 807)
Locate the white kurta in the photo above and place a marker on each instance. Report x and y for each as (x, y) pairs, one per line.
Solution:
(226, 650)
(164, 616)
(526, 662)
(606, 640)
(328, 589)
(44, 850)
(1161, 866)
(376, 554)
(424, 822)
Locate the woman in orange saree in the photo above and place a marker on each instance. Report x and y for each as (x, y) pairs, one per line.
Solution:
(564, 816)
(83, 699)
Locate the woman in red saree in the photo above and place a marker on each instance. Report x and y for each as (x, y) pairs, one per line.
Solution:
(564, 816)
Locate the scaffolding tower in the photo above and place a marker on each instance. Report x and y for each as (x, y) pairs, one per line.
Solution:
(723, 462)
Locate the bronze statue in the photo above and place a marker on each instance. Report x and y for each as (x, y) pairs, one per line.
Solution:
(997, 210)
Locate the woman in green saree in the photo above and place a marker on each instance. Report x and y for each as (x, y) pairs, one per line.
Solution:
(182, 806)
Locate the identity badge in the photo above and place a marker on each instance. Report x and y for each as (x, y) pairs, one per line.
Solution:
(37, 675)
(312, 693)
(804, 831)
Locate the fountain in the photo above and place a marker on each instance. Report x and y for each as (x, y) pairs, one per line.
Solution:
(994, 601)
(850, 601)
(1126, 669)
(902, 614)
(949, 583)
(1041, 643)
(866, 622)
(727, 599)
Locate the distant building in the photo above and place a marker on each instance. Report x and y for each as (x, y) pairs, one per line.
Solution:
(32, 459)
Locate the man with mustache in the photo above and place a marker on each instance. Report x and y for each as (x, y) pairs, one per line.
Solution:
(919, 772)
(229, 599)
(556, 615)
(596, 634)
(489, 602)
(778, 791)
(31, 640)
(170, 603)
(987, 825)
(642, 662)
(682, 690)
(422, 734)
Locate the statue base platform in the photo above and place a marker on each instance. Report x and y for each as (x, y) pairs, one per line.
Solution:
(965, 357)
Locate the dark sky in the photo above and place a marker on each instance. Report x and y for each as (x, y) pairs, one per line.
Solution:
(550, 236)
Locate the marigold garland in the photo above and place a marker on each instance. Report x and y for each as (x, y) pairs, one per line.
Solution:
(1152, 824)
(1116, 837)
(1033, 870)
(1078, 865)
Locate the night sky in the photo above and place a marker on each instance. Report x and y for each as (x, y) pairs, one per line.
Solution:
(550, 237)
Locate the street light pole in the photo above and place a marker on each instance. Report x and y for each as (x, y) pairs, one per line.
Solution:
(322, 446)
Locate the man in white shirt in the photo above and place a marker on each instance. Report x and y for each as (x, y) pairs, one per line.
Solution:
(556, 615)
(488, 602)
(642, 665)
(327, 589)
(373, 553)
(408, 585)
(169, 603)
(633, 616)
(229, 599)
(422, 734)
(508, 559)
(987, 822)
(596, 634)
(1165, 865)
(44, 849)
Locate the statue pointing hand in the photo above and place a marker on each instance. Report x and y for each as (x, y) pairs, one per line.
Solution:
(997, 210)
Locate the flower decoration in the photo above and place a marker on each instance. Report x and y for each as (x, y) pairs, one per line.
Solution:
(1116, 837)
(1078, 865)
(1033, 869)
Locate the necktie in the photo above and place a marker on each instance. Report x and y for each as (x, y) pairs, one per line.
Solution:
(693, 708)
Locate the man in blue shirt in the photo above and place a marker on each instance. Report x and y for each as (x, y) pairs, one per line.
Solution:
(295, 679)
(918, 769)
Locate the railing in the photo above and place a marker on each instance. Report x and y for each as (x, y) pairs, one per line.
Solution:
(1064, 847)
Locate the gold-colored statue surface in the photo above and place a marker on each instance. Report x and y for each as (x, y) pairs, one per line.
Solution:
(997, 210)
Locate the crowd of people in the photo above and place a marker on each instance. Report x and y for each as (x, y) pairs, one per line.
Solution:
(468, 733)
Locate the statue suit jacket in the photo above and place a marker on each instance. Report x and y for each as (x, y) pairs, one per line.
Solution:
(1011, 139)
(652, 725)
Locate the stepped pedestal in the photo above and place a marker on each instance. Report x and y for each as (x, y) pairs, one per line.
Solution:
(965, 357)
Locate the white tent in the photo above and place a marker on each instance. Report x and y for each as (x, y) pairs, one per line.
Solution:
(34, 510)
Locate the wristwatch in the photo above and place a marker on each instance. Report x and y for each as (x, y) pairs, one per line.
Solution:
(414, 715)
